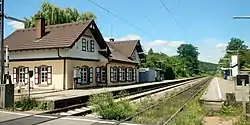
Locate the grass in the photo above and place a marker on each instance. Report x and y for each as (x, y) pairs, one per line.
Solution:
(164, 110)
(192, 115)
(26, 104)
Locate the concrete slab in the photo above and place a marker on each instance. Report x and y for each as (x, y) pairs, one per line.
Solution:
(218, 88)
(213, 92)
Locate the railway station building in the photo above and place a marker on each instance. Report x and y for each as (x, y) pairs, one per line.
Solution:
(71, 55)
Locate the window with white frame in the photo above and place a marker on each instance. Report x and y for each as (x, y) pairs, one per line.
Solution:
(130, 74)
(103, 74)
(84, 75)
(43, 75)
(113, 74)
(123, 74)
(21, 75)
(84, 44)
(88, 45)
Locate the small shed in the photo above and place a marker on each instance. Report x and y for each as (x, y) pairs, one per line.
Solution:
(150, 75)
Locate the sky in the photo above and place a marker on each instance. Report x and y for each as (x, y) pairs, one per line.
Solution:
(207, 25)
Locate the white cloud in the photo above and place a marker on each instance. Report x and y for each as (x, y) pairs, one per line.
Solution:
(16, 25)
(164, 46)
(211, 50)
(221, 45)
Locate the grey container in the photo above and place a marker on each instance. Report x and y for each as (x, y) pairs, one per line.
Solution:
(146, 75)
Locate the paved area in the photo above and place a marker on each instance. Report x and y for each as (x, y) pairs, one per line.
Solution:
(60, 95)
(218, 88)
(12, 118)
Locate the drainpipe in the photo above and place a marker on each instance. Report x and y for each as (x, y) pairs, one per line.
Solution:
(64, 67)
(109, 60)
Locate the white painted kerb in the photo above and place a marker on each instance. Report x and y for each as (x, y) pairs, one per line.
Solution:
(218, 88)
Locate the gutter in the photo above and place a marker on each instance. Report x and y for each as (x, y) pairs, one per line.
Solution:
(64, 68)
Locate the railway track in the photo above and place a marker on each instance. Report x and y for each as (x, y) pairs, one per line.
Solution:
(186, 96)
(83, 109)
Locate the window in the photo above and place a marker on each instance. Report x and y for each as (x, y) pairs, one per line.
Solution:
(123, 73)
(83, 44)
(120, 74)
(101, 74)
(88, 45)
(84, 75)
(113, 74)
(130, 74)
(43, 75)
(21, 75)
(92, 44)
(98, 75)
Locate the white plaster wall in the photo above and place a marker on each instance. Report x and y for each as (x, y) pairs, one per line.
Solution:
(36, 54)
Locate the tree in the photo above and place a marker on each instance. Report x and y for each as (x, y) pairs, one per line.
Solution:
(190, 55)
(55, 15)
(236, 44)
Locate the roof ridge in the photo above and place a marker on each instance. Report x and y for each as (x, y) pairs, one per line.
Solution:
(62, 24)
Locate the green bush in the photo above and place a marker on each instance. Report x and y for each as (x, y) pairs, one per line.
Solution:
(230, 110)
(25, 104)
(105, 105)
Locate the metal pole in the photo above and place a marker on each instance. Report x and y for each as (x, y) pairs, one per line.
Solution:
(243, 99)
(6, 60)
(2, 45)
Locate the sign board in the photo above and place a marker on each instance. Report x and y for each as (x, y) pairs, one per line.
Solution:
(234, 65)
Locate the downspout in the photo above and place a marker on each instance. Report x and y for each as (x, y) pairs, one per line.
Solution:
(64, 67)
(109, 60)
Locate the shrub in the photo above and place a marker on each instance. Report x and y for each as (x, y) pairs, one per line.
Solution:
(105, 105)
(25, 103)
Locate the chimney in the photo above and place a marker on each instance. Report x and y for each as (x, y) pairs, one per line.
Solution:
(111, 40)
(40, 27)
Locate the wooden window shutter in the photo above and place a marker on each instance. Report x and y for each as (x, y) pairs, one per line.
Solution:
(15, 75)
(134, 74)
(49, 75)
(36, 71)
(90, 74)
(111, 74)
(26, 75)
(98, 76)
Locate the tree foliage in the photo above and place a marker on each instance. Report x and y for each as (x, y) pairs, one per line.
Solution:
(55, 15)
(184, 65)
(189, 54)
(234, 45)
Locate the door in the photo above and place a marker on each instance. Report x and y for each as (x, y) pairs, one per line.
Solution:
(84, 75)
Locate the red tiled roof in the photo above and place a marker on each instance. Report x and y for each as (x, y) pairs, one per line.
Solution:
(56, 36)
(126, 48)
(116, 55)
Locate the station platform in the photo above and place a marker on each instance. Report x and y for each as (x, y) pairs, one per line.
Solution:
(217, 89)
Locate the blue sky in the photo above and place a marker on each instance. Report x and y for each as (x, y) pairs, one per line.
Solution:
(206, 24)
